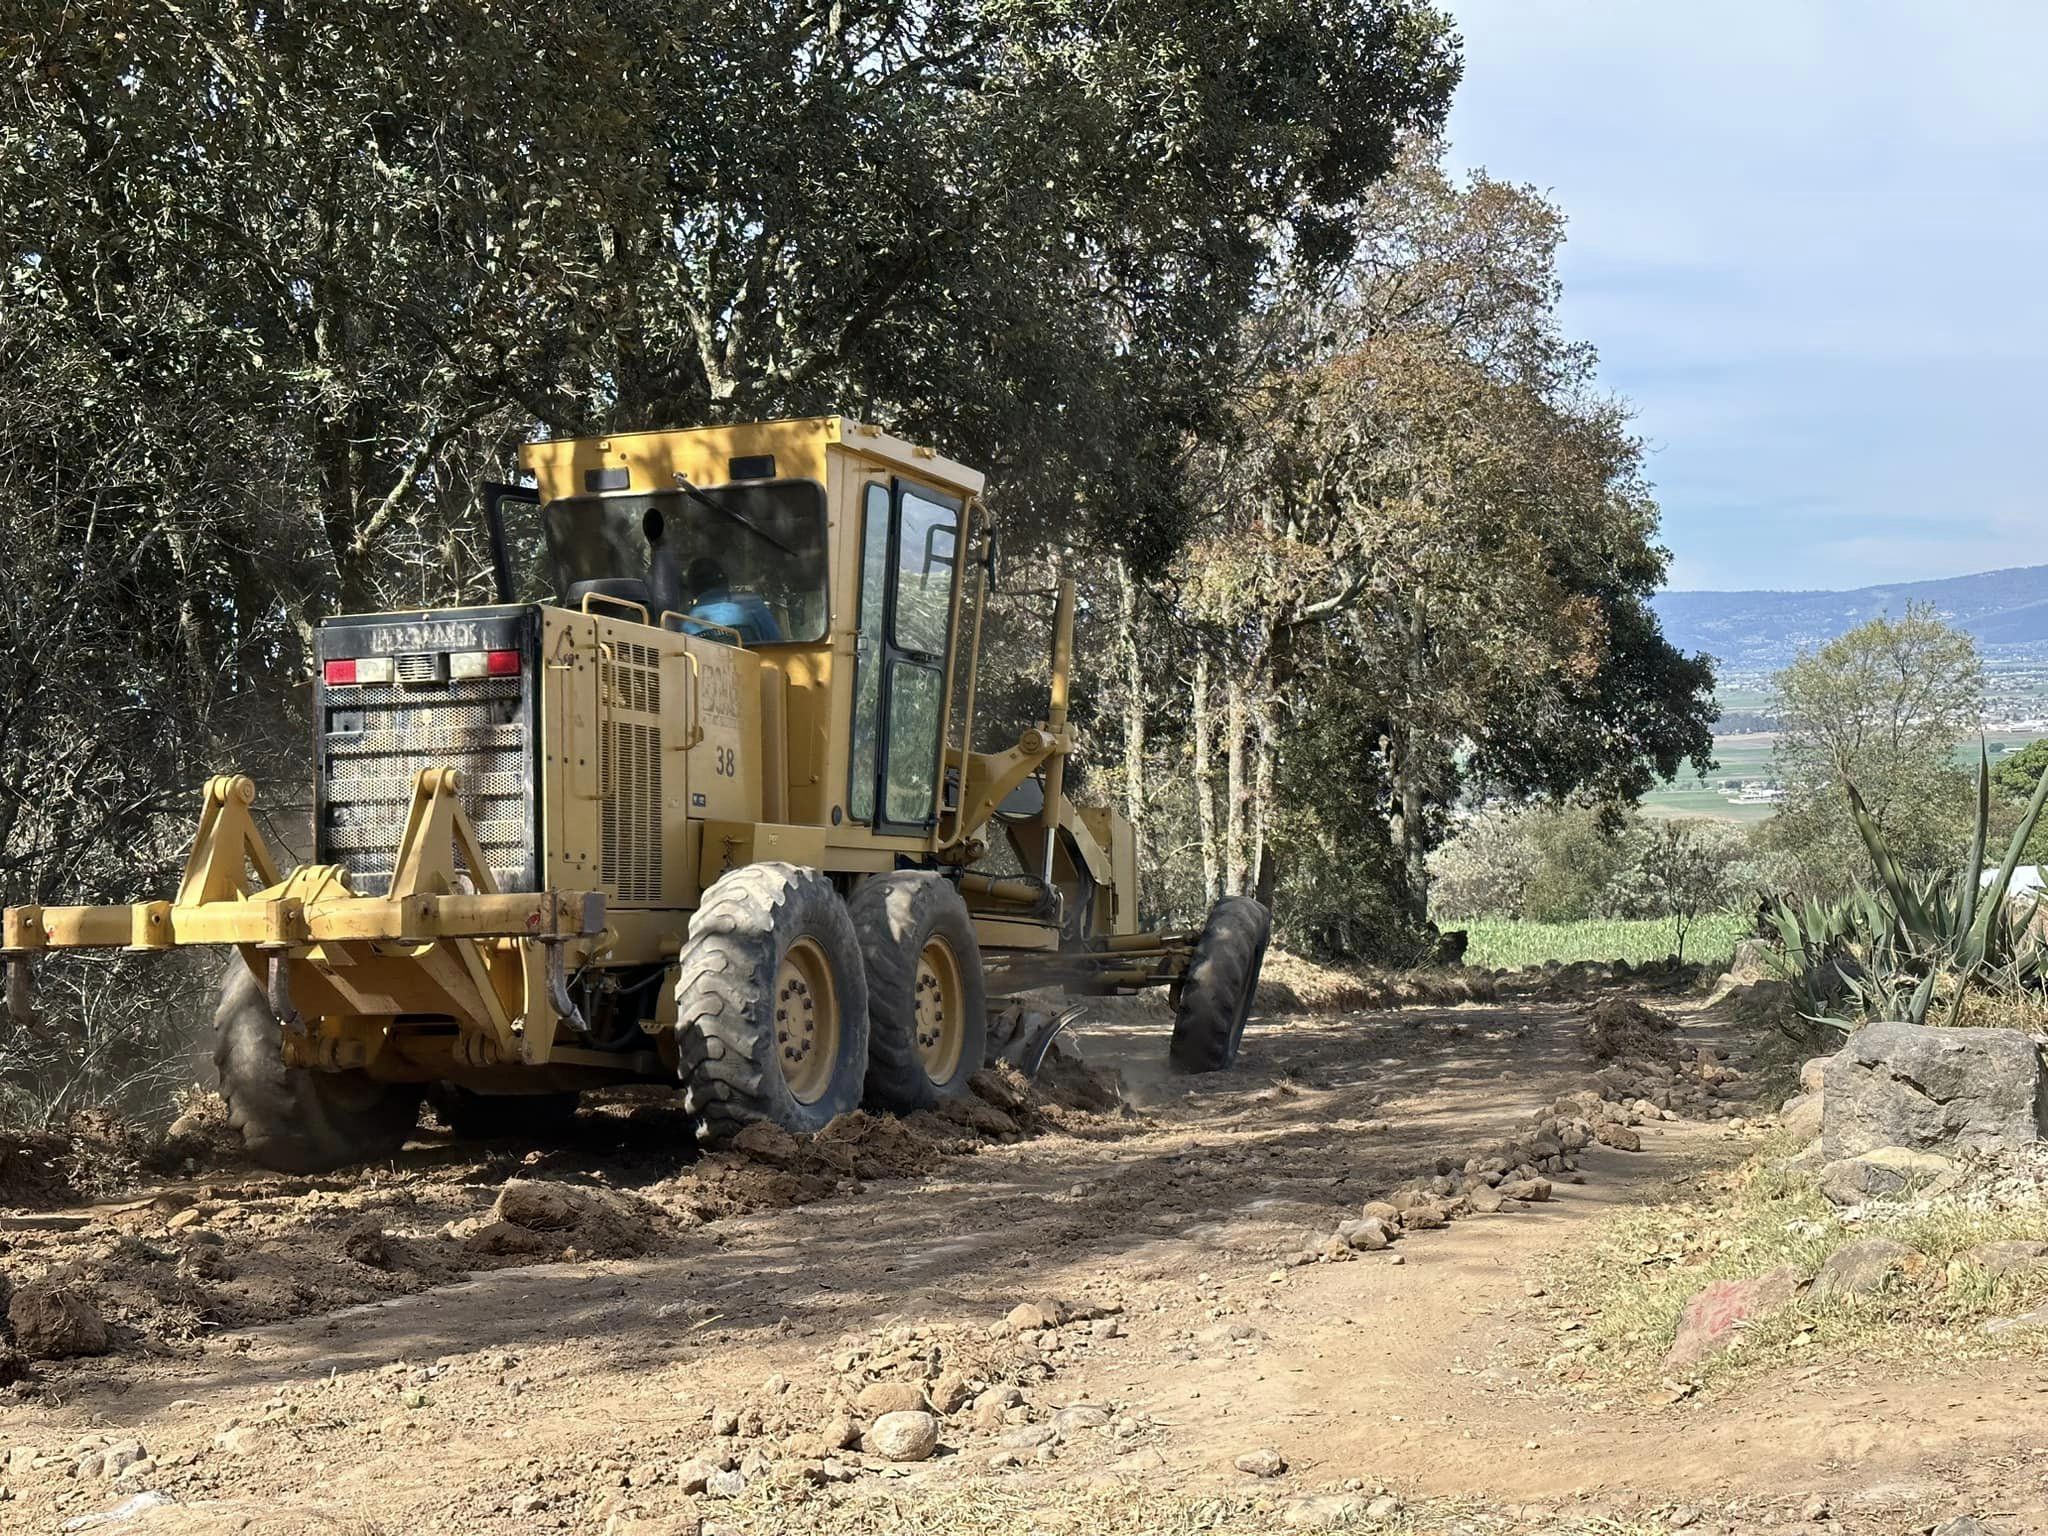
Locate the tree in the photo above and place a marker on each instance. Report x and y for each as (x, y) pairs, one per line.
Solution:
(1422, 486)
(1683, 869)
(1881, 707)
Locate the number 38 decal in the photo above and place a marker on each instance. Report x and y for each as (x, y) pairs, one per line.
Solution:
(725, 762)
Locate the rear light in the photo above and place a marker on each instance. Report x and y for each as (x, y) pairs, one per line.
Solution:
(357, 669)
(467, 666)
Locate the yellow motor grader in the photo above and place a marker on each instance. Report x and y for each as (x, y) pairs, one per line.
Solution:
(697, 801)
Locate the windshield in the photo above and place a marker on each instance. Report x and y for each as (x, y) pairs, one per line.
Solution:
(748, 557)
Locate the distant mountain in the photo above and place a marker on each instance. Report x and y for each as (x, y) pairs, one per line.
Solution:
(2006, 610)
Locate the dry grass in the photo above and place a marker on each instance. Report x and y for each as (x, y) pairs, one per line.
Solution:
(1632, 1281)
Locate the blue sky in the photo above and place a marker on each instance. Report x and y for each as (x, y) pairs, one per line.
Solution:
(1811, 243)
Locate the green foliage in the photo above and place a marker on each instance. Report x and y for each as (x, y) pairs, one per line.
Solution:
(1518, 944)
(1881, 706)
(1571, 864)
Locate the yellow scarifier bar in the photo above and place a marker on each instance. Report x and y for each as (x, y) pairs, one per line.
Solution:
(426, 947)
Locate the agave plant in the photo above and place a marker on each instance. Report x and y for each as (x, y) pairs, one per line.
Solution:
(1892, 950)
(1960, 928)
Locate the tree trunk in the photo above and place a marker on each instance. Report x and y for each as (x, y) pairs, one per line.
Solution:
(1205, 779)
(1409, 766)
(1134, 704)
(1261, 861)
(1236, 793)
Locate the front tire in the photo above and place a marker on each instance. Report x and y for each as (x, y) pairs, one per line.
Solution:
(771, 1004)
(1215, 996)
(294, 1119)
(927, 1004)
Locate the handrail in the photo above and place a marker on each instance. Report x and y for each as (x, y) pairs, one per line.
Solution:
(617, 602)
(739, 640)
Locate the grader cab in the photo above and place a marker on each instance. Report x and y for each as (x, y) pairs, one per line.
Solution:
(699, 800)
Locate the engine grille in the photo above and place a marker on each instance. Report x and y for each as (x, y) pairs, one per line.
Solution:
(631, 681)
(378, 737)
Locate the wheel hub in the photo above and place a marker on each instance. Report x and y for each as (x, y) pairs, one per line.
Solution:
(806, 1021)
(941, 1022)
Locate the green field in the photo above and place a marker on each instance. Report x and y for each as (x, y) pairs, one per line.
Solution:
(1746, 759)
(1515, 945)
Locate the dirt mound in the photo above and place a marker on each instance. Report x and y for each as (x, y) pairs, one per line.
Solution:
(532, 1217)
(96, 1154)
(1291, 984)
(1620, 1028)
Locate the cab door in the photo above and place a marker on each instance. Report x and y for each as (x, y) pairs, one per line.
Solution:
(910, 542)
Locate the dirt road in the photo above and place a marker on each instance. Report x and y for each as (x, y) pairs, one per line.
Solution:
(1413, 1389)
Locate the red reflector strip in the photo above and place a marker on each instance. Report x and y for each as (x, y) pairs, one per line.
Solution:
(502, 664)
(342, 671)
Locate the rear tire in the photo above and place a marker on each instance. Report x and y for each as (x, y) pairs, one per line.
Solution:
(1215, 996)
(927, 1005)
(473, 1116)
(771, 1004)
(294, 1119)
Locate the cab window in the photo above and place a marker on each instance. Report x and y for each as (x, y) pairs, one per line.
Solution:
(927, 531)
(746, 561)
(867, 651)
(909, 560)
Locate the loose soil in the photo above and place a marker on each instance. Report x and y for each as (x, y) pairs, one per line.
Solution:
(505, 1338)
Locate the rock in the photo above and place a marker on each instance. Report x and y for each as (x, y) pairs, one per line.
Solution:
(1885, 1172)
(1368, 1234)
(54, 1322)
(729, 1484)
(1861, 1267)
(903, 1436)
(1029, 1315)
(839, 1433)
(952, 1391)
(1962, 1525)
(1709, 1322)
(1385, 1507)
(1382, 1211)
(1081, 1416)
(1813, 1074)
(1484, 1199)
(2009, 1257)
(1610, 1133)
(694, 1475)
(1526, 1189)
(1801, 1116)
(1323, 1512)
(1263, 1462)
(880, 1397)
(1027, 1437)
(1423, 1218)
(1931, 1089)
